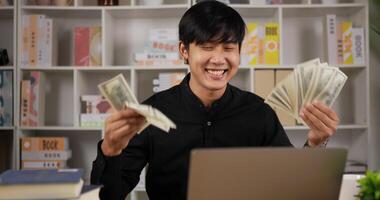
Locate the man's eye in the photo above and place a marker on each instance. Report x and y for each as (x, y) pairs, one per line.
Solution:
(207, 48)
(229, 48)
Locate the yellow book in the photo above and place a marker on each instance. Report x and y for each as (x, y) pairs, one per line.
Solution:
(347, 43)
(272, 38)
(250, 46)
(95, 46)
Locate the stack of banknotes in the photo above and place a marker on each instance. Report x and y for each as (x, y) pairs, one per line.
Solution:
(119, 94)
(310, 81)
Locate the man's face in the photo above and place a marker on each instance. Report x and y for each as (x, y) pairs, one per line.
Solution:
(212, 65)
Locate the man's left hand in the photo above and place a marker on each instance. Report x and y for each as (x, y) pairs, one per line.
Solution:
(322, 121)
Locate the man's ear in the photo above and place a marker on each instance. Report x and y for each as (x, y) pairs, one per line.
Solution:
(183, 51)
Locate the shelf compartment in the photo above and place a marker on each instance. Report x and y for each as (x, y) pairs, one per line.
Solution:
(59, 105)
(126, 31)
(82, 144)
(145, 78)
(306, 24)
(6, 150)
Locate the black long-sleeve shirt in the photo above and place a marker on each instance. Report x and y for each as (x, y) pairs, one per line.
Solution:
(237, 119)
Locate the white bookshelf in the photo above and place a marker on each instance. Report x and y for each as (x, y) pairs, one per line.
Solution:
(8, 40)
(124, 31)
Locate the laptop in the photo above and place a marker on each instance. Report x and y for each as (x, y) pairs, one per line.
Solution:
(266, 174)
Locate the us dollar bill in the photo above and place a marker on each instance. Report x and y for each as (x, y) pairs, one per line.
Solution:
(119, 94)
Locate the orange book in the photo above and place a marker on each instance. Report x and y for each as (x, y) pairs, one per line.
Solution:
(44, 143)
(25, 101)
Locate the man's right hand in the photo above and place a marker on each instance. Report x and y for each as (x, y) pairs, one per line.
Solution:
(120, 127)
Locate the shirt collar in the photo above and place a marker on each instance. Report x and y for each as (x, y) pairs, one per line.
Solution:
(197, 104)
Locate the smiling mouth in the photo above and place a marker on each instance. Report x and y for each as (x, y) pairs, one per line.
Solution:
(216, 72)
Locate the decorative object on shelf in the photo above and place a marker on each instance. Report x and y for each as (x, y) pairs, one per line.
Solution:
(5, 3)
(151, 2)
(370, 186)
(62, 2)
(42, 2)
(329, 1)
(108, 2)
(4, 59)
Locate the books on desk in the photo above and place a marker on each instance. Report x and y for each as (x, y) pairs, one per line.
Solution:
(42, 184)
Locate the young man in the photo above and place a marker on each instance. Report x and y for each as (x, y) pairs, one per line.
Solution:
(207, 110)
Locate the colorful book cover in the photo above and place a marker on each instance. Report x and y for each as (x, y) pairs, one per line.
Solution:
(82, 46)
(347, 43)
(50, 44)
(22, 177)
(250, 46)
(44, 144)
(339, 40)
(46, 155)
(272, 39)
(358, 49)
(95, 104)
(331, 52)
(35, 21)
(37, 99)
(25, 101)
(95, 46)
(6, 86)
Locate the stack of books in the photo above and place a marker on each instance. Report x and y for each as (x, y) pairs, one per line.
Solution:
(160, 49)
(44, 152)
(94, 110)
(87, 46)
(167, 80)
(46, 184)
(33, 99)
(261, 45)
(39, 46)
(344, 43)
(6, 98)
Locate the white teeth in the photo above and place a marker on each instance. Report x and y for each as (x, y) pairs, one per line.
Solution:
(215, 72)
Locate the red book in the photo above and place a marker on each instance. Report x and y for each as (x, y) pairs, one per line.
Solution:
(82, 46)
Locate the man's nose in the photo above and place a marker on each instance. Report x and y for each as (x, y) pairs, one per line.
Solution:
(218, 57)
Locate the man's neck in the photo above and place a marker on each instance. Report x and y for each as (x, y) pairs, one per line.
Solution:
(206, 96)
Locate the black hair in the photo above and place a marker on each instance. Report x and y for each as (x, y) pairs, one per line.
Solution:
(211, 21)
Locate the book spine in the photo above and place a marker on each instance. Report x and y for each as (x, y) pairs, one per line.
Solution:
(37, 99)
(156, 56)
(25, 41)
(37, 164)
(331, 41)
(261, 38)
(7, 94)
(82, 46)
(272, 43)
(339, 39)
(40, 41)
(25, 101)
(250, 46)
(46, 155)
(93, 120)
(44, 144)
(358, 49)
(347, 43)
(33, 35)
(48, 42)
(95, 50)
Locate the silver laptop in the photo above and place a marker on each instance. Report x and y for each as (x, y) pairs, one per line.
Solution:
(266, 174)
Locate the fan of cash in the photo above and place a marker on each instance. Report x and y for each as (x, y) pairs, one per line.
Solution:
(119, 94)
(310, 81)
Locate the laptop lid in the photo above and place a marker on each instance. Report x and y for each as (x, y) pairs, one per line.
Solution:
(266, 174)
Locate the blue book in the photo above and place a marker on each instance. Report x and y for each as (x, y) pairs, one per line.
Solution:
(41, 184)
